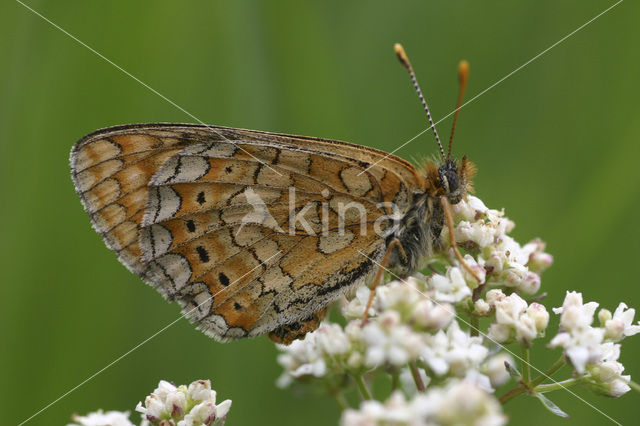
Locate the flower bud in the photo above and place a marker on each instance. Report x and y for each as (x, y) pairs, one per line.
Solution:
(481, 307)
(539, 314)
(604, 315)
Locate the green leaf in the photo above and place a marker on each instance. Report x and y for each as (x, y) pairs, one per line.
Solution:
(550, 405)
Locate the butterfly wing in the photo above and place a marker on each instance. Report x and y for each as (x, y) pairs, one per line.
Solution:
(249, 231)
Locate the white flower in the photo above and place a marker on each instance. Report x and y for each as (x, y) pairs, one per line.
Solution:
(514, 319)
(481, 307)
(433, 316)
(499, 333)
(400, 296)
(478, 232)
(575, 314)
(389, 341)
(458, 403)
(605, 377)
(518, 276)
(470, 208)
(203, 413)
(332, 340)
(502, 261)
(463, 403)
(407, 297)
(581, 342)
(620, 325)
(453, 352)
(604, 315)
(100, 418)
(538, 260)
(301, 358)
(355, 307)
(451, 287)
(494, 296)
(496, 262)
(395, 411)
(539, 314)
(480, 380)
(475, 265)
(184, 406)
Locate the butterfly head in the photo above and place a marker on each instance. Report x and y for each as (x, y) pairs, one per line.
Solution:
(454, 179)
(449, 177)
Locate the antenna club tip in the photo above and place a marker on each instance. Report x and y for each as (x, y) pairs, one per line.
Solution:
(463, 70)
(401, 54)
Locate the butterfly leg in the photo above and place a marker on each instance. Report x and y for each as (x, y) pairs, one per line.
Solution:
(446, 207)
(395, 243)
(287, 333)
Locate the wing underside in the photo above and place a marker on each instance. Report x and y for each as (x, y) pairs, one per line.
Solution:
(247, 230)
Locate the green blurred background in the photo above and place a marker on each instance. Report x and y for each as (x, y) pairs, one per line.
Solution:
(556, 145)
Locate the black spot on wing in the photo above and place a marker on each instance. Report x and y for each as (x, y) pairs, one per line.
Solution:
(201, 200)
(224, 280)
(204, 256)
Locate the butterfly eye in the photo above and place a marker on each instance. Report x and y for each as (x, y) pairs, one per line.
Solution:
(452, 181)
(449, 177)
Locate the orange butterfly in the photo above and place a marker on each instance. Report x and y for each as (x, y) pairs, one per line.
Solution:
(256, 232)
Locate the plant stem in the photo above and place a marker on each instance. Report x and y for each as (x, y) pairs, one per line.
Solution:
(555, 386)
(415, 372)
(340, 400)
(395, 380)
(560, 362)
(362, 387)
(511, 394)
(633, 385)
(526, 365)
(534, 383)
(475, 323)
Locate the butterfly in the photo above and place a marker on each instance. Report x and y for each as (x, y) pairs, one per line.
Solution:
(256, 232)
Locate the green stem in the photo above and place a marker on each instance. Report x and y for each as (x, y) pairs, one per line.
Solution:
(340, 400)
(634, 386)
(535, 382)
(555, 386)
(415, 372)
(475, 324)
(395, 380)
(560, 362)
(362, 387)
(526, 365)
(511, 394)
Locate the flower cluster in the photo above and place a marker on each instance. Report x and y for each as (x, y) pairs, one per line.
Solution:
(514, 319)
(457, 403)
(504, 261)
(168, 405)
(592, 350)
(423, 333)
(100, 418)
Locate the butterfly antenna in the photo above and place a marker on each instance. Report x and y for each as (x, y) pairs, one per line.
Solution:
(404, 60)
(463, 76)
